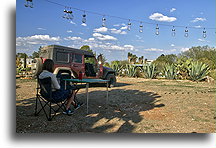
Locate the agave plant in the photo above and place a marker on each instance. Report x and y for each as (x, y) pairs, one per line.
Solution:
(117, 67)
(131, 70)
(170, 71)
(198, 71)
(149, 71)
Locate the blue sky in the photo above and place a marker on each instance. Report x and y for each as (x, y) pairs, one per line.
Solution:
(44, 25)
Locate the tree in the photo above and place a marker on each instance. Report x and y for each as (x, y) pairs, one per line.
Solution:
(86, 48)
(101, 58)
(35, 55)
(22, 55)
(140, 60)
(204, 54)
(162, 60)
(129, 57)
(132, 58)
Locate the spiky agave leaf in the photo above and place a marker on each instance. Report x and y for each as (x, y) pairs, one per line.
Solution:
(149, 71)
(198, 71)
(170, 71)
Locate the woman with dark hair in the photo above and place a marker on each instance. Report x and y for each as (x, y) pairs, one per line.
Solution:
(58, 93)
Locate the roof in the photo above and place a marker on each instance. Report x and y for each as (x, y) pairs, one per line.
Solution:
(73, 50)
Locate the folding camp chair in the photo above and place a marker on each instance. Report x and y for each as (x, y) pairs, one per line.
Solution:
(66, 84)
(44, 98)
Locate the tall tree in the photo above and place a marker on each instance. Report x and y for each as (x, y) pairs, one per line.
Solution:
(129, 57)
(140, 60)
(86, 48)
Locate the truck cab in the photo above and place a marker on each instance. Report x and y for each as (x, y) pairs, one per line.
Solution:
(74, 61)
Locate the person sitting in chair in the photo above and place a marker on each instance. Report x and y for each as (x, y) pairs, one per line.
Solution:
(58, 93)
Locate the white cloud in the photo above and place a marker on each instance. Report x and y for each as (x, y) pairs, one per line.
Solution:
(124, 28)
(198, 19)
(101, 29)
(123, 32)
(116, 25)
(172, 45)
(72, 38)
(29, 43)
(203, 40)
(198, 26)
(69, 31)
(117, 31)
(184, 49)
(173, 9)
(91, 39)
(72, 22)
(130, 47)
(41, 28)
(161, 17)
(34, 38)
(102, 37)
(139, 37)
(84, 24)
(153, 49)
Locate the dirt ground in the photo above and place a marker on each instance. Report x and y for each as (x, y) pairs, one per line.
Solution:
(136, 105)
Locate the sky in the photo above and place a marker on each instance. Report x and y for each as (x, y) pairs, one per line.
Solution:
(44, 25)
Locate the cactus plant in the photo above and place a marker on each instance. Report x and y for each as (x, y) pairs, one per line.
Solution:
(117, 67)
(170, 71)
(131, 70)
(149, 71)
(198, 71)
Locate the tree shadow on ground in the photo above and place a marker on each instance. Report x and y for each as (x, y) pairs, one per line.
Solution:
(120, 115)
(123, 111)
(104, 85)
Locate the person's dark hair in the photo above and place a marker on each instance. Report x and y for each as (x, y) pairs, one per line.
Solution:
(48, 65)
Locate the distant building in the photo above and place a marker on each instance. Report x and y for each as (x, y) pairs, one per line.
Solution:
(147, 62)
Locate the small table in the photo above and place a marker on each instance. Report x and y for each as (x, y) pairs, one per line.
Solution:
(88, 81)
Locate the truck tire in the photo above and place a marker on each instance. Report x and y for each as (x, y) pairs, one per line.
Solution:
(112, 79)
(37, 66)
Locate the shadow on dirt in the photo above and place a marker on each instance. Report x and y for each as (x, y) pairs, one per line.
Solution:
(120, 115)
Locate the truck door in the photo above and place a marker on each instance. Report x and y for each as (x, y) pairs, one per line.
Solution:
(77, 63)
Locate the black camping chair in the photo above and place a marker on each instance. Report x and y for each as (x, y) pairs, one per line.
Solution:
(64, 75)
(45, 100)
(67, 75)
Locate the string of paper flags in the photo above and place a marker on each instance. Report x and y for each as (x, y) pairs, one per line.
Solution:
(69, 15)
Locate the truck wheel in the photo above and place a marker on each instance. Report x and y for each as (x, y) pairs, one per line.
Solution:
(37, 66)
(112, 80)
